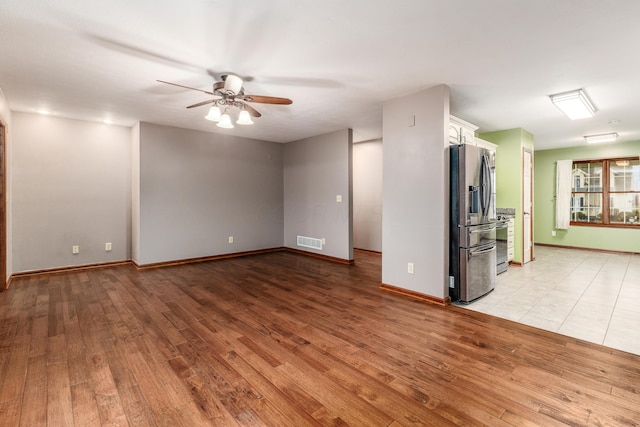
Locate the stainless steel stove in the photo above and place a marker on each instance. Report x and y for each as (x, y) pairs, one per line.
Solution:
(502, 225)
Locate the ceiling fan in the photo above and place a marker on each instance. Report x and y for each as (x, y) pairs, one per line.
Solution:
(229, 93)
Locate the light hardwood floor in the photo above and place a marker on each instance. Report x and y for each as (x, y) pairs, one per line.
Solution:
(282, 339)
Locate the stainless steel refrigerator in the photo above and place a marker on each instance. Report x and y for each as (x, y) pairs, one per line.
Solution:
(472, 247)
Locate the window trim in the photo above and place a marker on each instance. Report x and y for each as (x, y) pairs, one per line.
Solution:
(606, 191)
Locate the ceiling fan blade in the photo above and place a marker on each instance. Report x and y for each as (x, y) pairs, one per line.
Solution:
(186, 87)
(267, 99)
(251, 110)
(200, 104)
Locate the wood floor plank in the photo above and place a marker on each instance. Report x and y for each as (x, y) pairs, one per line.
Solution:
(152, 388)
(59, 406)
(405, 411)
(138, 412)
(85, 408)
(282, 339)
(299, 398)
(10, 412)
(271, 401)
(566, 390)
(35, 393)
(105, 391)
(39, 335)
(14, 369)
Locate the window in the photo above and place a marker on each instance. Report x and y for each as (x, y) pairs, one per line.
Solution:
(606, 192)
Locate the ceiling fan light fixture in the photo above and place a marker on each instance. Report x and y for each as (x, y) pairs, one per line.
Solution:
(225, 122)
(213, 114)
(603, 137)
(575, 104)
(244, 118)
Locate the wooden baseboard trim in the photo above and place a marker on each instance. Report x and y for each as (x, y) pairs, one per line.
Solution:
(369, 251)
(8, 283)
(66, 269)
(515, 263)
(321, 256)
(610, 251)
(169, 263)
(416, 295)
(204, 259)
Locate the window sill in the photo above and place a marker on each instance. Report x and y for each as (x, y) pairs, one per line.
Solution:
(595, 224)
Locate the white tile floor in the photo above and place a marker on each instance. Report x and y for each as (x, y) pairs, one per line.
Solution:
(594, 296)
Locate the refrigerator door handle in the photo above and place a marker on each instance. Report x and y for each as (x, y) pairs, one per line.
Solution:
(485, 181)
(483, 230)
(490, 185)
(481, 252)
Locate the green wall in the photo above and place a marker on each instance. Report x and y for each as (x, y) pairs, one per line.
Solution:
(618, 239)
(509, 159)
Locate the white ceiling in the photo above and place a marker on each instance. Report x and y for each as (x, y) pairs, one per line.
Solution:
(338, 60)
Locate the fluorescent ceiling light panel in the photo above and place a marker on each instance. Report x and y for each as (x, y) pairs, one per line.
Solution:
(575, 104)
(604, 137)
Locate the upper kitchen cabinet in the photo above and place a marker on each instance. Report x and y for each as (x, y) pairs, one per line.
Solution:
(485, 144)
(461, 132)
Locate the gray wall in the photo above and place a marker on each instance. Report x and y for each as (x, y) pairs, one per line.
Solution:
(316, 170)
(199, 188)
(415, 191)
(367, 195)
(161, 194)
(70, 186)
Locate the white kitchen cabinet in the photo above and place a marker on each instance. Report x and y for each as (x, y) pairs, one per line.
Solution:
(485, 144)
(460, 131)
(510, 239)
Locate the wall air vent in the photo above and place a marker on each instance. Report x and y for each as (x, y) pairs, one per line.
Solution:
(310, 242)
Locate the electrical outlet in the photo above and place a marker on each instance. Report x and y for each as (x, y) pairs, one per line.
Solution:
(230, 239)
(410, 268)
(75, 250)
(107, 246)
(339, 198)
(553, 233)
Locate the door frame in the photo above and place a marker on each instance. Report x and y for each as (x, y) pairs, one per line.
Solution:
(530, 208)
(3, 206)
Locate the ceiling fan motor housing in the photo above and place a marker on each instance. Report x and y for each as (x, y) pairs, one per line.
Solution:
(233, 84)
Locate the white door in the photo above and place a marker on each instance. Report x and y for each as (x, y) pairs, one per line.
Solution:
(527, 207)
